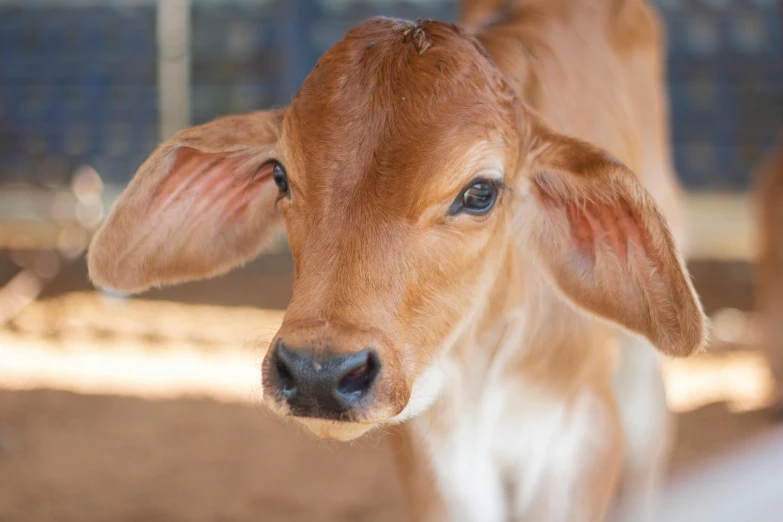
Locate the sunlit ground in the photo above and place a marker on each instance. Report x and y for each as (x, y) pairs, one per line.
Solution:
(89, 342)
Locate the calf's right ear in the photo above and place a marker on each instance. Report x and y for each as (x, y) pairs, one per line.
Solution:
(203, 203)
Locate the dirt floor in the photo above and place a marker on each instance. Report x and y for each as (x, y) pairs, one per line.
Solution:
(69, 457)
(94, 457)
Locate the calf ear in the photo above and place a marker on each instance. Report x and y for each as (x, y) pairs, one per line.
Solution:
(203, 203)
(601, 239)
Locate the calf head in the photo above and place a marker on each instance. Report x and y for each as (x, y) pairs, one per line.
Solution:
(406, 172)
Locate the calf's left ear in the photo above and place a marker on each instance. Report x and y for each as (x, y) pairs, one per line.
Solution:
(602, 241)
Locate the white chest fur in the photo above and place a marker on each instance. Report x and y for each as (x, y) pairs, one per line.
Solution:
(514, 452)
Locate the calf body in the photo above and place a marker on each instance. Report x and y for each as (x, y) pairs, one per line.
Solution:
(595, 71)
(467, 269)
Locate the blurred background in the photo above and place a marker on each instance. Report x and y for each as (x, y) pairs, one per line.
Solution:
(146, 408)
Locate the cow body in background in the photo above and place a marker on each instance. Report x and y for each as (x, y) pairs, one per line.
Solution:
(476, 265)
(769, 269)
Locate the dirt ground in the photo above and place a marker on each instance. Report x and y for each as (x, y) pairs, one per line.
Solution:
(68, 457)
(87, 458)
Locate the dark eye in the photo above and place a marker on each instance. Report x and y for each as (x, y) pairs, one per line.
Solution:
(280, 177)
(478, 198)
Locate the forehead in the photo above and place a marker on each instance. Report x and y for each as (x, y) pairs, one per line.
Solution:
(396, 102)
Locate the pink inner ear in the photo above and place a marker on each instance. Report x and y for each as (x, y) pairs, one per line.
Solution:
(206, 182)
(597, 224)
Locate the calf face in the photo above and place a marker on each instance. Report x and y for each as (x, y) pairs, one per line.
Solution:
(408, 176)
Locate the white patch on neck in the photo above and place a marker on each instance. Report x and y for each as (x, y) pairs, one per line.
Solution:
(426, 389)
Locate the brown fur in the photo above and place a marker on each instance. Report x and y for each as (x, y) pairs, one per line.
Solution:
(390, 125)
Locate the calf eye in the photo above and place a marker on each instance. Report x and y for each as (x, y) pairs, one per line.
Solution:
(477, 198)
(280, 177)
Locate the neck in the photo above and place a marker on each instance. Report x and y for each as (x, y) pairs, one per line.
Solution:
(528, 330)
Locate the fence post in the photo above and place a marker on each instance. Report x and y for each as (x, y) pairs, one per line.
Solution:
(173, 38)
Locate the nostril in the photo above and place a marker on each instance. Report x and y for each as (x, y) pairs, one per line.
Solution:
(285, 376)
(358, 372)
(358, 379)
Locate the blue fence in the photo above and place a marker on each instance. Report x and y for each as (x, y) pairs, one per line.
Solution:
(78, 84)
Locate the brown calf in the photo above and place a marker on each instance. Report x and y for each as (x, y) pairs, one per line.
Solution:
(463, 260)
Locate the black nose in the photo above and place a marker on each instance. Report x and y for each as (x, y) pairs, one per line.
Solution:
(324, 386)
